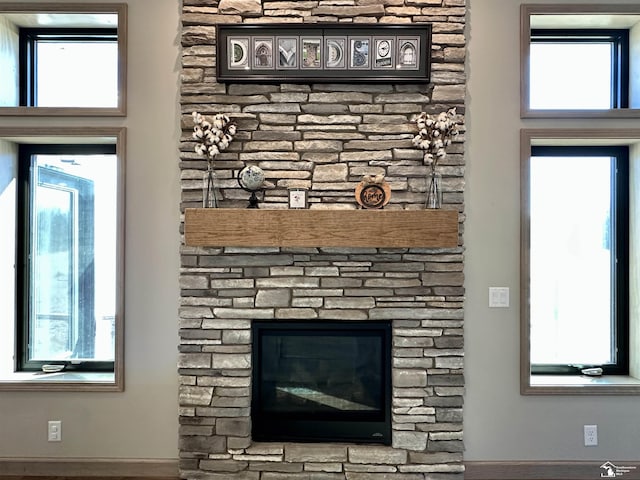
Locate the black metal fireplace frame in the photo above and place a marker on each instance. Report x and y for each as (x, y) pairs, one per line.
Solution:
(355, 427)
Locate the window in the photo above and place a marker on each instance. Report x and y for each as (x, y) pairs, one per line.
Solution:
(580, 306)
(62, 193)
(62, 196)
(66, 67)
(63, 59)
(67, 251)
(579, 198)
(580, 61)
(578, 257)
(579, 69)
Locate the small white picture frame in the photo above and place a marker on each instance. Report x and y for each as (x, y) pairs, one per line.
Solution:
(297, 198)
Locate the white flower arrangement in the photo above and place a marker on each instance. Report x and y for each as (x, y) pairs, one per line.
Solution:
(435, 134)
(212, 137)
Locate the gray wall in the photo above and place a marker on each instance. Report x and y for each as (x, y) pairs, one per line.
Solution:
(499, 423)
(142, 422)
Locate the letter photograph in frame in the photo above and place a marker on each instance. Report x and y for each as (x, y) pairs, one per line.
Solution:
(262, 53)
(383, 49)
(302, 53)
(408, 53)
(311, 52)
(335, 52)
(238, 53)
(287, 53)
(359, 57)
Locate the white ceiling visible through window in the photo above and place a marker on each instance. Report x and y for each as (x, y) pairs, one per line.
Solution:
(70, 20)
(584, 21)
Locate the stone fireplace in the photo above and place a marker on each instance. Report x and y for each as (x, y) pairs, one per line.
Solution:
(322, 137)
(224, 290)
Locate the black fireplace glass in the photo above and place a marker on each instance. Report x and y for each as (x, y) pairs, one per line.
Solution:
(321, 381)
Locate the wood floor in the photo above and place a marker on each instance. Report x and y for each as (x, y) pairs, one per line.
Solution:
(86, 478)
(87, 469)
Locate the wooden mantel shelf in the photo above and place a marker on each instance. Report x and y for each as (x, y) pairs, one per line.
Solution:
(231, 227)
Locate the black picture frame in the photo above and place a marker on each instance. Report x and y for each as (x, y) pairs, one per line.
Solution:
(328, 53)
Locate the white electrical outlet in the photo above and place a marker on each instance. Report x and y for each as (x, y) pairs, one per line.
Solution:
(590, 435)
(499, 297)
(54, 431)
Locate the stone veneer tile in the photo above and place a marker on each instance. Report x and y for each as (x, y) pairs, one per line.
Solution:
(416, 441)
(377, 455)
(324, 137)
(315, 453)
(322, 467)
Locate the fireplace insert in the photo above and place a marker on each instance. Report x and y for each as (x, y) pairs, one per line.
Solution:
(321, 381)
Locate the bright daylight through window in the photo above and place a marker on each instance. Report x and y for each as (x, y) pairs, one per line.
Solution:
(578, 259)
(68, 256)
(70, 68)
(578, 70)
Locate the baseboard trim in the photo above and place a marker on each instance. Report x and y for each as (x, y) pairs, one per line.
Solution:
(552, 470)
(89, 467)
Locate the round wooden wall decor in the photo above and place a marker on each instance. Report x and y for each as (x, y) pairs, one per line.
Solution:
(373, 192)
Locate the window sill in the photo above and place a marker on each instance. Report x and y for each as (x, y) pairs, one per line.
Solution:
(581, 385)
(580, 114)
(63, 381)
(63, 111)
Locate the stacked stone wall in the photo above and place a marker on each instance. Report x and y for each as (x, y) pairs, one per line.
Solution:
(324, 137)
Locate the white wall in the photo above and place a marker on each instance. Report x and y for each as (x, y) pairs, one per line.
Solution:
(9, 96)
(500, 424)
(8, 185)
(141, 422)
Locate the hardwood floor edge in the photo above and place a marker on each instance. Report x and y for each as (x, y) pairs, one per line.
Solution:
(551, 470)
(88, 467)
(167, 469)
